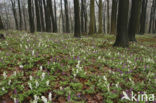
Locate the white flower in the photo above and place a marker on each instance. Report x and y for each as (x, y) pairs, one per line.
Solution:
(3, 89)
(37, 84)
(61, 88)
(15, 73)
(30, 86)
(21, 66)
(104, 77)
(99, 57)
(43, 76)
(47, 83)
(44, 99)
(108, 87)
(41, 68)
(50, 96)
(4, 75)
(15, 100)
(33, 52)
(9, 82)
(30, 77)
(36, 98)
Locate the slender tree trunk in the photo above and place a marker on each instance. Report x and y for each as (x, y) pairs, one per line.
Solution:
(14, 13)
(37, 16)
(85, 17)
(92, 18)
(50, 7)
(108, 18)
(62, 14)
(41, 15)
(31, 19)
(20, 15)
(122, 25)
(47, 16)
(55, 16)
(152, 17)
(24, 17)
(135, 17)
(143, 17)
(114, 17)
(67, 16)
(100, 16)
(104, 18)
(82, 16)
(1, 24)
(77, 18)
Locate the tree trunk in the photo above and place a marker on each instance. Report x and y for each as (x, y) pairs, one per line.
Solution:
(14, 13)
(77, 18)
(41, 15)
(62, 14)
(108, 18)
(55, 9)
(122, 25)
(100, 16)
(143, 17)
(50, 7)
(37, 16)
(135, 17)
(114, 17)
(92, 18)
(82, 16)
(1, 24)
(31, 19)
(67, 16)
(85, 17)
(24, 16)
(20, 15)
(47, 16)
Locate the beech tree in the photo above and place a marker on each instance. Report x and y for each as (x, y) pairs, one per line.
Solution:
(1, 24)
(77, 18)
(100, 16)
(134, 18)
(122, 25)
(92, 18)
(114, 16)
(143, 16)
(67, 16)
(31, 19)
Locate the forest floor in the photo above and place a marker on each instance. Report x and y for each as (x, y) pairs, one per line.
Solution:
(60, 68)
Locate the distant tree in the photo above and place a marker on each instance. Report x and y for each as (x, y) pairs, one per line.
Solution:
(134, 18)
(85, 16)
(47, 15)
(37, 15)
(152, 25)
(13, 3)
(51, 13)
(20, 15)
(67, 16)
(100, 16)
(114, 17)
(55, 9)
(77, 18)
(82, 16)
(24, 15)
(143, 17)
(62, 15)
(31, 19)
(1, 24)
(92, 18)
(108, 18)
(122, 24)
(42, 15)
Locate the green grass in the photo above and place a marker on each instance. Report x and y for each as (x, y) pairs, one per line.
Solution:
(74, 70)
